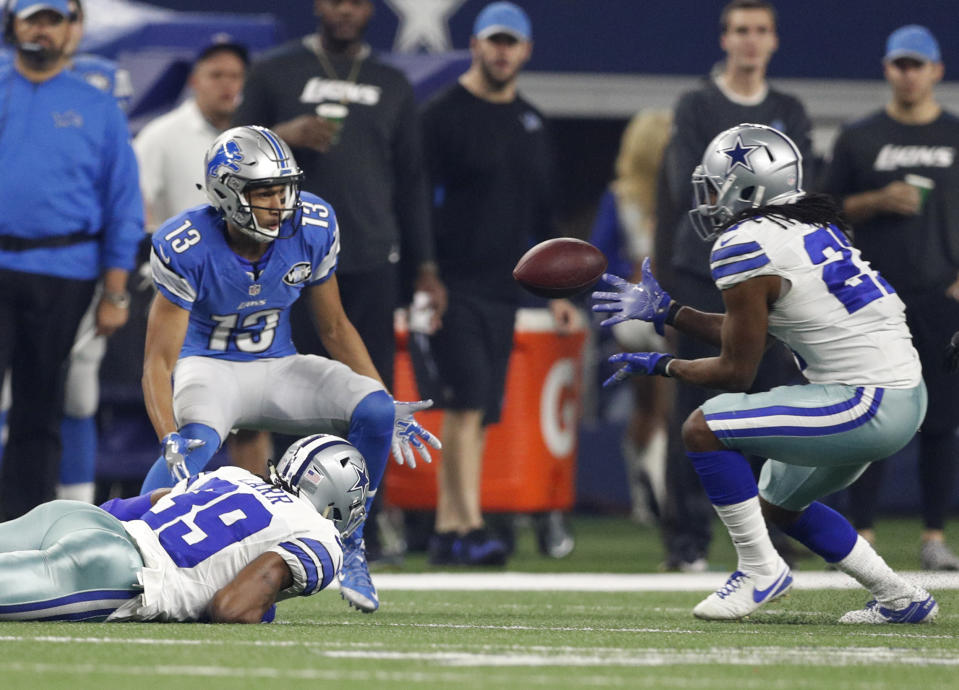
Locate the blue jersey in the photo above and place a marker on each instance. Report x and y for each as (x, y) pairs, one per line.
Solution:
(105, 75)
(96, 71)
(70, 170)
(240, 311)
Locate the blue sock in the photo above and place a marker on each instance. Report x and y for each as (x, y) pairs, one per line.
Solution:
(824, 531)
(78, 464)
(726, 476)
(371, 431)
(159, 476)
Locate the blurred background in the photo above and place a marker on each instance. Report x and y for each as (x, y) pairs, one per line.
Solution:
(595, 64)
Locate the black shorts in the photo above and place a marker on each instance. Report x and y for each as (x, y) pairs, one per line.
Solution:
(933, 318)
(463, 365)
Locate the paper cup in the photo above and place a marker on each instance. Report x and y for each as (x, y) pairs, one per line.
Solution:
(335, 112)
(923, 184)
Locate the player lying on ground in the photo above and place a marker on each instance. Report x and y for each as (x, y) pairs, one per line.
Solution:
(221, 546)
(786, 270)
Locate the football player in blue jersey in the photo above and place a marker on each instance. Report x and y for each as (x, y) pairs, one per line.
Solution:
(219, 353)
(786, 271)
(129, 560)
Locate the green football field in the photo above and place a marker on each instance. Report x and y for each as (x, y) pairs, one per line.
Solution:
(540, 623)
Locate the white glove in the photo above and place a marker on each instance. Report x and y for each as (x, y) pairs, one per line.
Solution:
(175, 448)
(406, 430)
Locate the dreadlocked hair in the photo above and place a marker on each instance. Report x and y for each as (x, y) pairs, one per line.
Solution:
(274, 478)
(812, 209)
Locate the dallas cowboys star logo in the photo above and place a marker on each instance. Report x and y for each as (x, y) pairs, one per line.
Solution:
(362, 478)
(423, 24)
(739, 155)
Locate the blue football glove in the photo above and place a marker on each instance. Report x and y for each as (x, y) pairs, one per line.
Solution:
(645, 301)
(407, 432)
(174, 449)
(647, 363)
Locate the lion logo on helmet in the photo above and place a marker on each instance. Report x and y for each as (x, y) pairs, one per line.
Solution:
(225, 156)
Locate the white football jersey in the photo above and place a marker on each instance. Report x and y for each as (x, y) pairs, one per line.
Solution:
(197, 538)
(843, 321)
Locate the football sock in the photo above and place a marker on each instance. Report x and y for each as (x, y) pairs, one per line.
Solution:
(869, 569)
(729, 482)
(78, 462)
(159, 476)
(371, 431)
(824, 532)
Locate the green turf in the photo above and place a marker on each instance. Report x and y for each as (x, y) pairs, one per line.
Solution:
(616, 545)
(511, 639)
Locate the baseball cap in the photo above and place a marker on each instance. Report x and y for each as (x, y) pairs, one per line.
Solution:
(912, 41)
(223, 41)
(27, 8)
(503, 18)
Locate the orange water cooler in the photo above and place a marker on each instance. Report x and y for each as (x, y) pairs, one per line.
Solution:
(529, 464)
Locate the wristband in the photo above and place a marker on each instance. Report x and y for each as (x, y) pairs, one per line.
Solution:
(117, 299)
(662, 365)
(674, 308)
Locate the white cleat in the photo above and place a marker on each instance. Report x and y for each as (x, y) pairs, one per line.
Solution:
(742, 594)
(922, 608)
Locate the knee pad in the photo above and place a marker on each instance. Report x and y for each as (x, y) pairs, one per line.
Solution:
(373, 415)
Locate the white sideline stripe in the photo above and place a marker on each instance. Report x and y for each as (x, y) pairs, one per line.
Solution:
(612, 582)
(636, 657)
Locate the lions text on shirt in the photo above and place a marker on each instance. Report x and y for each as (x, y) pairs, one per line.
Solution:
(197, 538)
(240, 311)
(843, 321)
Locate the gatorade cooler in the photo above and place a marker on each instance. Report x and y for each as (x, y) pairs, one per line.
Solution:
(529, 460)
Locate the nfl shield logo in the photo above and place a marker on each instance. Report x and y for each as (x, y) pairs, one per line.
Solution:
(255, 290)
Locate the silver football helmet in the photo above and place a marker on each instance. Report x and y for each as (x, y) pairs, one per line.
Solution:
(332, 474)
(744, 167)
(241, 159)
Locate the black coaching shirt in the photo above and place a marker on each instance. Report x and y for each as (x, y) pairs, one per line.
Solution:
(700, 115)
(489, 166)
(918, 253)
(374, 177)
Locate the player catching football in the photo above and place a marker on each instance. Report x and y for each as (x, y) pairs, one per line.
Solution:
(786, 271)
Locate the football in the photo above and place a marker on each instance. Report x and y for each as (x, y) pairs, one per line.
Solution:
(561, 267)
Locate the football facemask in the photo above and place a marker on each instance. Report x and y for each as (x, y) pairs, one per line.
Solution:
(245, 158)
(331, 473)
(744, 167)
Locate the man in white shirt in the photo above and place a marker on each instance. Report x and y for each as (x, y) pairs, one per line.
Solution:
(170, 149)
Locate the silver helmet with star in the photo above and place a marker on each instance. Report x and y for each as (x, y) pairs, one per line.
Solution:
(744, 167)
(331, 474)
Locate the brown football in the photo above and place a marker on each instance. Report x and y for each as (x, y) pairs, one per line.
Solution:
(561, 267)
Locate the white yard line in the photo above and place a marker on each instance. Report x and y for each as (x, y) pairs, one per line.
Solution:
(769, 655)
(613, 582)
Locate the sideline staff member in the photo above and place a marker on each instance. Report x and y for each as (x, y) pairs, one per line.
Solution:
(72, 211)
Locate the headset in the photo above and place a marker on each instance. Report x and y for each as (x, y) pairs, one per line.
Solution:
(8, 36)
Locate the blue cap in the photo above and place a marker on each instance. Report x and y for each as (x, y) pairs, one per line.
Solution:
(26, 8)
(223, 41)
(912, 41)
(503, 18)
